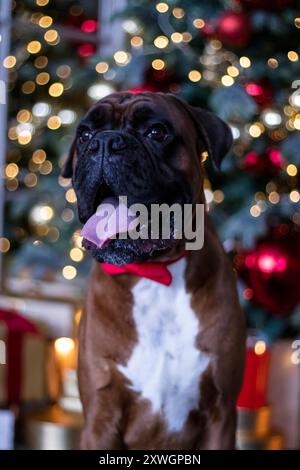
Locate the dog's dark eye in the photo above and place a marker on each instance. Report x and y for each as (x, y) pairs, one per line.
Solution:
(157, 132)
(85, 136)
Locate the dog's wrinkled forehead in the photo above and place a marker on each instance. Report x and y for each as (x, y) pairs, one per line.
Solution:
(193, 123)
(119, 109)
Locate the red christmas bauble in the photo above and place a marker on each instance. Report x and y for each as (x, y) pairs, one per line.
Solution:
(157, 80)
(269, 161)
(86, 49)
(271, 270)
(143, 87)
(269, 5)
(261, 92)
(234, 29)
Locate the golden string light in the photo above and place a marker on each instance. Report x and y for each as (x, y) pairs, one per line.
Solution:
(245, 62)
(4, 245)
(158, 64)
(39, 156)
(11, 170)
(28, 87)
(42, 78)
(30, 180)
(176, 37)
(296, 122)
(294, 196)
(71, 196)
(63, 71)
(69, 272)
(77, 239)
(12, 133)
(218, 196)
(199, 23)
(255, 211)
(51, 36)
(297, 22)
(76, 254)
(227, 80)
(121, 57)
(45, 21)
(56, 89)
(9, 62)
(41, 62)
(194, 75)
(274, 197)
(292, 170)
(54, 122)
(24, 137)
(162, 7)
(186, 36)
(260, 347)
(273, 63)
(24, 115)
(233, 71)
(46, 167)
(293, 56)
(136, 41)
(178, 13)
(256, 129)
(33, 47)
(161, 42)
(102, 67)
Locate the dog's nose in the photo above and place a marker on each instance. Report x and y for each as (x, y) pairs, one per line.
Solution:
(117, 143)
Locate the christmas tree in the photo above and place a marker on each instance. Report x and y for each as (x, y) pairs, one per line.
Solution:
(239, 58)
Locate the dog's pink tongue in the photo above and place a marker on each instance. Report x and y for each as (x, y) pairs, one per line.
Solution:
(112, 218)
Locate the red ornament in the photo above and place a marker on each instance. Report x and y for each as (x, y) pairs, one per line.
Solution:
(157, 80)
(260, 92)
(141, 88)
(269, 5)
(86, 50)
(234, 29)
(254, 389)
(270, 161)
(271, 270)
(89, 26)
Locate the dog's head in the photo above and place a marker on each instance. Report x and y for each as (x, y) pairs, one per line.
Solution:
(148, 148)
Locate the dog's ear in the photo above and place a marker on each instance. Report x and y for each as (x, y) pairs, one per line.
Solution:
(214, 132)
(67, 169)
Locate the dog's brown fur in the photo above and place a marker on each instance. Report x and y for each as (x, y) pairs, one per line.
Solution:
(115, 416)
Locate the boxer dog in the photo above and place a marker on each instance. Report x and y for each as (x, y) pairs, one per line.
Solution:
(160, 360)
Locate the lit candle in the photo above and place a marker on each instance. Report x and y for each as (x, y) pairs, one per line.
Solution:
(254, 389)
(65, 353)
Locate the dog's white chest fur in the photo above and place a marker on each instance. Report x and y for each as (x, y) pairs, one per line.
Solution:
(165, 366)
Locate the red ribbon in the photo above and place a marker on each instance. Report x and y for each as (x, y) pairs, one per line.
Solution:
(156, 271)
(17, 327)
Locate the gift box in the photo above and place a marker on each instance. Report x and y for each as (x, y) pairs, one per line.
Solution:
(7, 427)
(284, 391)
(23, 371)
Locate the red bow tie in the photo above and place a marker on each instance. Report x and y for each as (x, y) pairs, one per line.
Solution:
(157, 272)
